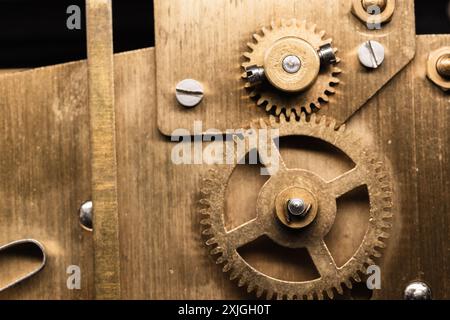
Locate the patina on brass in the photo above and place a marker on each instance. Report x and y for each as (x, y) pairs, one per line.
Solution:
(367, 172)
(103, 148)
(307, 89)
(438, 67)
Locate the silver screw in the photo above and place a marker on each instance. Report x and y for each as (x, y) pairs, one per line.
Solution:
(371, 54)
(255, 75)
(327, 55)
(86, 212)
(189, 93)
(297, 207)
(291, 64)
(417, 291)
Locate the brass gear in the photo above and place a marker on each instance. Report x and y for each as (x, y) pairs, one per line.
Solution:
(267, 95)
(368, 172)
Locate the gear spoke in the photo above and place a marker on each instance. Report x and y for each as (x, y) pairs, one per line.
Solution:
(347, 182)
(245, 233)
(271, 158)
(322, 259)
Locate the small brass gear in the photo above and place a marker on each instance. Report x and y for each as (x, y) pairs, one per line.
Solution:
(223, 244)
(268, 95)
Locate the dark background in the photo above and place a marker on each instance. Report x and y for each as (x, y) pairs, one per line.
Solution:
(33, 32)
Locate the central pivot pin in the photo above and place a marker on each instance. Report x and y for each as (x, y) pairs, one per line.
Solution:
(291, 64)
(296, 207)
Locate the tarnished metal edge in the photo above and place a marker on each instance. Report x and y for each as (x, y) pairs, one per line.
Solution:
(103, 149)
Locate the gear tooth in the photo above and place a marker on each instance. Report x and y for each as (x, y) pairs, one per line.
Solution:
(265, 31)
(282, 118)
(269, 294)
(330, 294)
(278, 110)
(313, 119)
(220, 260)
(262, 123)
(207, 232)
(259, 292)
(328, 41)
(348, 284)
(205, 222)
(339, 289)
(227, 267)
(253, 94)
(257, 37)
(242, 281)
(385, 235)
(380, 244)
(320, 295)
(331, 90)
(336, 70)
(251, 46)
(313, 27)
(216, 250)
(370, 261)
(248, 85)
(290, 296)
(342, 129)
(204, 212)
(334, 80)
(288, 113)
(205, 202)
(283, 23)
(321, 33)
(310, 296)
(211, 241)
(260, 101)
(325, 98)
(251, 287)
(234, 274)
(356, 277)
(273, 121)
(269, 107)
(303, 117)
(333, 123)
(248, 55)
(273, 25)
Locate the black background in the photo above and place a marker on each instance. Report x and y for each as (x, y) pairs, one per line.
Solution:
(33, 32)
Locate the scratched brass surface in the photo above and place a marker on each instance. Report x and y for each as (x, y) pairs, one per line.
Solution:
(45, 176)
(205, 40)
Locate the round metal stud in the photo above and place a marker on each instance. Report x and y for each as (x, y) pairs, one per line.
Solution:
(417, 291)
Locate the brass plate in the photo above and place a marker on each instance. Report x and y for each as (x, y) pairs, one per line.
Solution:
(205, 40)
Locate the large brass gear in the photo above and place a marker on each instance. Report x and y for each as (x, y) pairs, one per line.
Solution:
(267, 95)
(223, 244)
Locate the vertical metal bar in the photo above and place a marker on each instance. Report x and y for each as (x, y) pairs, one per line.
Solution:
(103, 148)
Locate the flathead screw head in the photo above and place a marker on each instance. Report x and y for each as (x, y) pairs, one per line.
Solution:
(417, 291)
(189, 93)
(371, 54)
